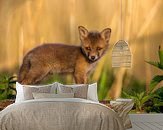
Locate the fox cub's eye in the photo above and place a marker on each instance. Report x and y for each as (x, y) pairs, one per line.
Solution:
(88, 48)
(99, 48)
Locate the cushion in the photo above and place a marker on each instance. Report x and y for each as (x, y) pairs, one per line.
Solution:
(24, 92)
(29, 90)
(91, 93)
(80, 91)
(52, 95)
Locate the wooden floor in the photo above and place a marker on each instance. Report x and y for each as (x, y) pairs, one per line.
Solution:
(146, 121)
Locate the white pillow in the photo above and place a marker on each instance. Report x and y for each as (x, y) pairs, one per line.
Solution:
(52, 95)
(24, 92)
(19, 93)
(80, 91)
(91, 93)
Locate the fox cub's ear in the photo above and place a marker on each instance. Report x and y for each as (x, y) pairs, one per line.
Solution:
(83, 32)
(106, 34)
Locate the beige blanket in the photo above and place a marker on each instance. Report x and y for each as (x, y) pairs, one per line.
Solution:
(59, 114)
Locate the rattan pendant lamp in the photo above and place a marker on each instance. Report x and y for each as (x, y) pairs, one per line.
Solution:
(121, 54)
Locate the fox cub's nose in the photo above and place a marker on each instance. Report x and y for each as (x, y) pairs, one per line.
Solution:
(92, 57)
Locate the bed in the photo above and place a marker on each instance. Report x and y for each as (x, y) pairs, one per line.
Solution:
(59, 114)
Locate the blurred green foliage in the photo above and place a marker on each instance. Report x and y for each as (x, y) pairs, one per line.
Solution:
(54, 78)
(105, 81)
(132, 84)
(7, 86)
(146, 102)
(158, 78)
(152, 100)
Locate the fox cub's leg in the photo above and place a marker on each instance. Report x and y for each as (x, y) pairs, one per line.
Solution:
(35, 74)
(80, 77)
(81, 69)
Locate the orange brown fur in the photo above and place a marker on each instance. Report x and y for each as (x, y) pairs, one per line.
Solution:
(60, 58)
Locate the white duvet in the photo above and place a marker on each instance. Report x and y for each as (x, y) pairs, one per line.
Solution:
(59, 114)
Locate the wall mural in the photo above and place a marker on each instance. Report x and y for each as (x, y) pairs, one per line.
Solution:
(41, 42)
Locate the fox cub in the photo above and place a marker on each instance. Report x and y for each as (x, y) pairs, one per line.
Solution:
(78, 60)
